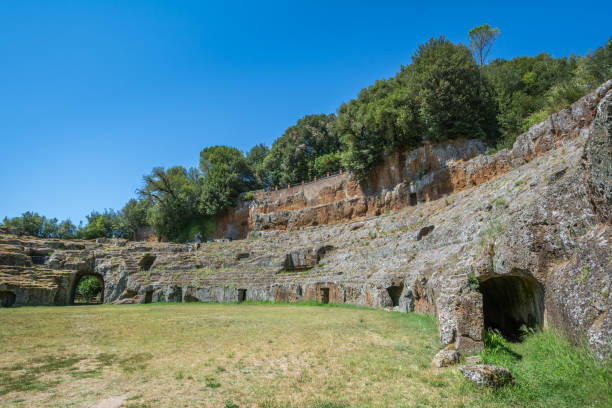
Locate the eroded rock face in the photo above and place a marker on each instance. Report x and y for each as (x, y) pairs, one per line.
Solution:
(598, 156)
(539, 221)
(487, 375)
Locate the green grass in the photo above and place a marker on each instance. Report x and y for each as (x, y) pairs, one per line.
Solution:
(549, 372)
(261, 354)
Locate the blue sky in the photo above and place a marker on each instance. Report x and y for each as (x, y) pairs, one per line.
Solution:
(94, 94)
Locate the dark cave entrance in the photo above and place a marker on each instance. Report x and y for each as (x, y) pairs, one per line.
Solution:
(7, 299)
(88, 289)
(395, 292)
(147, 261)
(511, 304)
(324, 295)
(242, 295)
(413, 199)
(148, 296)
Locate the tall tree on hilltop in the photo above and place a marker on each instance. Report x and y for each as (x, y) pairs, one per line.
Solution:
(481, 41)
(455, 102)
(226, 174)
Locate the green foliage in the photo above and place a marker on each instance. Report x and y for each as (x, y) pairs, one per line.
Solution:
(32, 223)
(439, 97)
(226, 174)
(203, 225)
(133, 216)
(481, 40)
(529, 89)
(292, 157)
(596, 67)
(102, 225)
(174, 200)
(550, 372)
(327, 163)
(255, 159)
(382, 119)
(248, 196)
(454, 101)
(89, 288)
(473, 281)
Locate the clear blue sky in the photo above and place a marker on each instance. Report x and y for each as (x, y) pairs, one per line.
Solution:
(93, 94)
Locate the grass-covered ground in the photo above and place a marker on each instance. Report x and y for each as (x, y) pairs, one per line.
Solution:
(245, 355)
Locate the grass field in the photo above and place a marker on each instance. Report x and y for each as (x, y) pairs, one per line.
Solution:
(175, 355)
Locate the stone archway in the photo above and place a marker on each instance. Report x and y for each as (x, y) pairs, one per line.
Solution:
(77, 280)
(7, 298)
(511, 304)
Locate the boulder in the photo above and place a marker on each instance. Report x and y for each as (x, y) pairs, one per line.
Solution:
(445, 358)
(487, 375)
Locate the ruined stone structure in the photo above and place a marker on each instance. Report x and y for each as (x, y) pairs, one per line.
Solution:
(511, 241)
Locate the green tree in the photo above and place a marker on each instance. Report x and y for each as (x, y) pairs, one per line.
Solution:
(174, 200)
(596, 67)
(89, 288)
(327, 163)
(383, 118)
(101, 225)
(133, 216)
(481, 41)
(455, 102)
(255, 159)
(226, 175)
(292, 157)
(32, 223)
(520, 87)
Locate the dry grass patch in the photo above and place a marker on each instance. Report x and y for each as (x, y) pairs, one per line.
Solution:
(222, 356)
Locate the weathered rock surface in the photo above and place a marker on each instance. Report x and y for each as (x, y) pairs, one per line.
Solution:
(536, 238)
(445, 358)
(487, 375)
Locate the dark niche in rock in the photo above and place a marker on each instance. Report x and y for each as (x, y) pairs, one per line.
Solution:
(7, 299)
(512, 304)
(424, 232)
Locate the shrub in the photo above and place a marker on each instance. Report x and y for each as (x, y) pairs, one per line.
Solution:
(89, 288)
(473, 281)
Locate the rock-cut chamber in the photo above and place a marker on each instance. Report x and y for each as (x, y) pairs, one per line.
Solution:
(512, 304)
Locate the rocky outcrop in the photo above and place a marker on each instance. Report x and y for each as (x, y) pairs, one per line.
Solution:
(527, 248)
(487, 375)
(598, 158)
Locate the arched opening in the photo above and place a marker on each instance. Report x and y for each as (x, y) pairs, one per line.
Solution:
(512, 304)
(88, 289)
(324, 295)
(7, 299)
(147, 261)
(395, 292)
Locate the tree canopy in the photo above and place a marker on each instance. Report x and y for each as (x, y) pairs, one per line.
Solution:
(292, 156)
(481, 41)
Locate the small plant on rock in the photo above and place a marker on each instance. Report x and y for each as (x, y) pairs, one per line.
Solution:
(473, 281)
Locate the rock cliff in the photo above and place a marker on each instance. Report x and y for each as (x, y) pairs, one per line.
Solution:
(519, 240)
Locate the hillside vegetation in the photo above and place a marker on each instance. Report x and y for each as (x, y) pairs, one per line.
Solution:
(447, 92)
